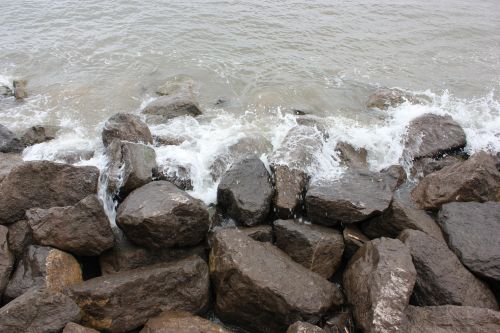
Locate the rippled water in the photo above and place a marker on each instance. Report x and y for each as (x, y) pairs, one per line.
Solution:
(86, 60)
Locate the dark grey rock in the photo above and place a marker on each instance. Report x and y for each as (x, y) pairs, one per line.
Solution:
(171, 106)
(20, 237)
(38, 134)
(9, 142)
(353, 240)
(261, 233)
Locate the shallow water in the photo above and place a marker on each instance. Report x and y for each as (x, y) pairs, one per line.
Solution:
(86, 60)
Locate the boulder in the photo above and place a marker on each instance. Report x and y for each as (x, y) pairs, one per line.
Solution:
(395, 174)
(44, 184)
(19, 237)
(168, 140)
(38, 134)
(178, 175)
(171, 106)
(126, 127)
(9, 142)
(472, 231)
(304, 327)
(353, 240)
(441, 278)
(8, 161)
(378, 282)
(384, 98)
(403, 213)
(351, 156)
(20, 91)
(43, 267)
(261, 233)
(181, 322)
(476, 179)
(177, 84)
(74, 156)
(126, 256)
(432, 135)
(313, 121)
(82, 229)
(451, 319)
(290, 185)
(427, 165)
(5, 91)
(6, 259)
(130, 166)
(245, 192)
(75, 328)
(38, 310)
(124, 301)
(160, 215)
(260, 288)
(356, 196)
(315, 247)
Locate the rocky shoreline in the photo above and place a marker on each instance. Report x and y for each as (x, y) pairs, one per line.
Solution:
(281, 251)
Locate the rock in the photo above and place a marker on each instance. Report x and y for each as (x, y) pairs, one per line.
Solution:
(168, 107)
(353, 240)
(351, 156)
(313, 121)
(38, 134)
(245, 192)
(179, 175)
(75, 328)
(395, 174)
(341, 322)
(5, 91)
(378, 282)
(160, 215)
(303, 327)
(177, 84)
(290, 185)
(6, 259)
(19, 238)
(260, 288)
(124, 301)
(441, 278)
(130, 166)
(165, 140)
(357, 196)
(20, 91)
(7, 163)
(261, 233)
(9, 142)
(74, 156)
(472, 230)
(126, 127)
(402, 214)
(126, 255)
(44, 184)
(181, 322)
(476, 179)
(451, 319)
(43, 267)
(427, 165)
(38, 310)
(82, 229)
(384, 98)
(315, 247)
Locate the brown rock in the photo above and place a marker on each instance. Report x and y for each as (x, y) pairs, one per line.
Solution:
(171, 106)
(126, 127)
(179, 175)
(351, 156)
(8, 162)
(340, 322)
(261, 233)
(20, 237)
(6, 259)
(75, 328)
(260, 288)
(315, 247)
(303, 327)
(43, 267)
(290, 185)
(124, 301)
(44, 184)
(38, 134)
(476, 179)
(425, 166)
(395, 173)
(74, 156)
(353, 240)
(181, 322)
(378, 282)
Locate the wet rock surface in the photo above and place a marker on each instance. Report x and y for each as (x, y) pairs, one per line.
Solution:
(476, 179)
(290, 185)
(353, 240)
(351, 156)
(304, 327)
(38, 134)
(392, 97)
(315, 247)
(260, 288)
(160, 215)
(245, 192)
(124, 301)
(179, 176)
(9, 142)
(261, 233)
(8, 162)
(425, 166)
(441, 278)
(6, 259)
(82, 229)
(44, 184)
(378, 282)
(164, 108)
(19, 237)
(38, 310)
(126, 127)
(472, 231)
(181, 322)
(20, 91)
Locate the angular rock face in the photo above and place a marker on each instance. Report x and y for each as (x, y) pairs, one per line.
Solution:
(44, 184)
(384, 98)
(38, 134)
(315, 247)
(181, 322)
(126, 255)
(7, 163)
(261, 233)
(130, 165)
(82, 229)
(402, 214)
(290, 185)
(378, 282)
(43, 267)
(126, 127)
(303, 327)
(38, 310)
(75, 328)
(395, 174)
(260, 288)
(441, 278)
(6, 259)
(476, 179)
(245, 192)
(472, 231)
(160, 215)
(425, 166)
(9, 142)
(350, 156)
(353, 239)
(451, 319)
(357, 196)
(180, 176)
(124, 301)
(167, 107)
(20, 237)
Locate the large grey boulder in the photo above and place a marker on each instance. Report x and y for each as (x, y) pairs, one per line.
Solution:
(126, 127)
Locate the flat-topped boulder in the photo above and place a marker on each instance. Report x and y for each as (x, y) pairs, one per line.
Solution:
(260, 288)
(124, 301)
(126, 127)
(181, 322)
